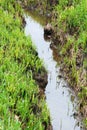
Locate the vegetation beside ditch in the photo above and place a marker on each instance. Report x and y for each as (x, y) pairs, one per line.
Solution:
(71, 36)
(71, 25)
(21, 105)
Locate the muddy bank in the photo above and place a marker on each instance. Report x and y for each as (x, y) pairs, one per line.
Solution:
(43, 8)
(71, 67)
(66, 67)
(66, 70)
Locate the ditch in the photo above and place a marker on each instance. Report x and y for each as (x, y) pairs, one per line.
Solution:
(60, 99)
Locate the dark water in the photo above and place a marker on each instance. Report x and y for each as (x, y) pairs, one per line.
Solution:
(58, 95)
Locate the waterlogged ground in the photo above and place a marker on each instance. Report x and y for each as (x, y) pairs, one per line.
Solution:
(58, 95)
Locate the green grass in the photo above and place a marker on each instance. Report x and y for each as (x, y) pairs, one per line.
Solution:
(20, 107)
(71, 19)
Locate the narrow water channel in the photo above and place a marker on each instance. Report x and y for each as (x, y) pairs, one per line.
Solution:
(58, 94)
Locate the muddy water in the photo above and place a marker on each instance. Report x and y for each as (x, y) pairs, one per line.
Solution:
(58, 94)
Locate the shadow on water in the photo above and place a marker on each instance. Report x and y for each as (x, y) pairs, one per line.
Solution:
(42, 20)
(61, 101)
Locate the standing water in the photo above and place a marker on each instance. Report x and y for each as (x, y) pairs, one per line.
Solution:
(58, 95)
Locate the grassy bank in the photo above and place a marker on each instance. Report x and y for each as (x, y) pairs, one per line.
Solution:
(21, 106)
(70, 22)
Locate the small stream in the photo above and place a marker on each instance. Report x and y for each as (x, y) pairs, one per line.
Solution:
(58, 95)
